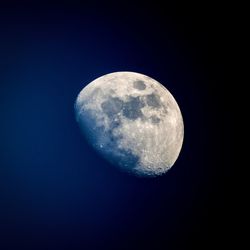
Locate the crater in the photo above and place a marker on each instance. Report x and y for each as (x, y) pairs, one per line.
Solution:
(153, 100)
(154, 119)
(115, 123)
(112, 106)
(140, 85)
(125, 158)
(128, 159)
(132, 108)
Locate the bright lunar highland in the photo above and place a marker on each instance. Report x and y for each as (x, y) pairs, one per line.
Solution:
(132, 121)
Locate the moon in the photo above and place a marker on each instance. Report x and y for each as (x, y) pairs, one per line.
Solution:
(132, 121)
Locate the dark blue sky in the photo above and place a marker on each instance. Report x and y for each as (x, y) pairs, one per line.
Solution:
(55, 192)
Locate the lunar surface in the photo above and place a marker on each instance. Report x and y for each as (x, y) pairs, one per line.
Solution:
(132, 121)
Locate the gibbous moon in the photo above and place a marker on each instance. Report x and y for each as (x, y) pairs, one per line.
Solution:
(132, 121)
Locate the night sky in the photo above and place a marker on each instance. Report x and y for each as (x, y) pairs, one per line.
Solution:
(55, 191)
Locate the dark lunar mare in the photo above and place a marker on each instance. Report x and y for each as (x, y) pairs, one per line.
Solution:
(139, 84)
(153, 100)
(132, 108)
(112, 106)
